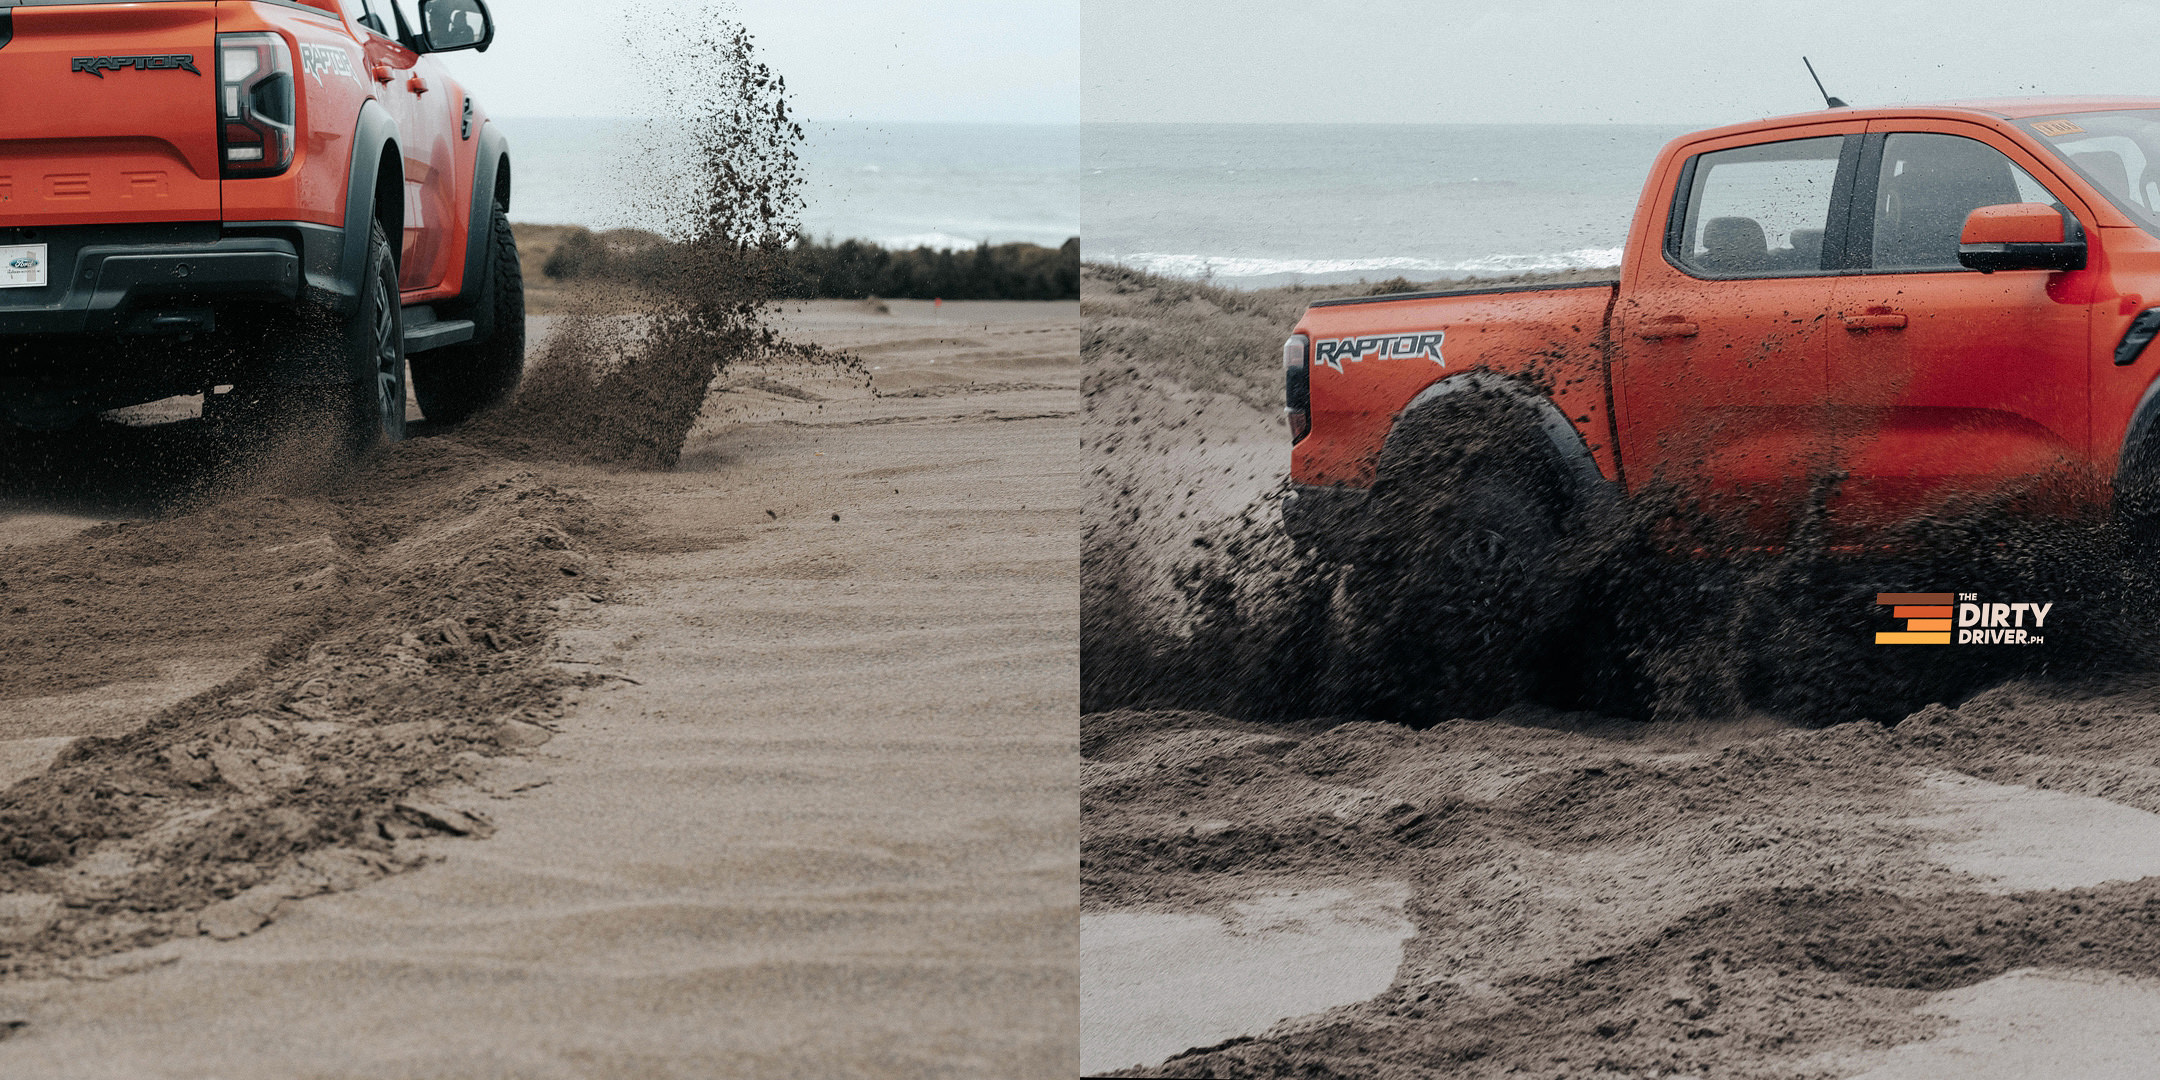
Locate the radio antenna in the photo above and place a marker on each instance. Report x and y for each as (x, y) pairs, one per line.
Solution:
(1828, 101)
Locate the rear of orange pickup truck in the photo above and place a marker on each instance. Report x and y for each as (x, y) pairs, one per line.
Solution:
(250, 199)
(1354, 367)
(111, 172)
(1445, 443)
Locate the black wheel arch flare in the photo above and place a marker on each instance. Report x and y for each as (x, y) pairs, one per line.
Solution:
(375, 189)
(2139, 451)
(491, 184)
(1570, 452)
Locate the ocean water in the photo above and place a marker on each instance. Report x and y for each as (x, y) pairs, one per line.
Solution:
(1268, 204)
(901, 185)
(1241, 204)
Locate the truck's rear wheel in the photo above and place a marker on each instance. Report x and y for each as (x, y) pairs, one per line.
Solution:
(355, 414)
(457, 381)
(375, 409)
(2137, 505)
(1454, 593)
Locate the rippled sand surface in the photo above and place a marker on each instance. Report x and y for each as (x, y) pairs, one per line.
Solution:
(815, 819)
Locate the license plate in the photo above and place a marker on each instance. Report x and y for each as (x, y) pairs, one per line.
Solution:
(22, 266)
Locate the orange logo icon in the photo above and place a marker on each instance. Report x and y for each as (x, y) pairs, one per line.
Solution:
(1927, 618)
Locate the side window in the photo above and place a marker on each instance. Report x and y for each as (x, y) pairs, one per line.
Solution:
(401, 16)
(1760, 211)
(1927, 186)
(371, 20)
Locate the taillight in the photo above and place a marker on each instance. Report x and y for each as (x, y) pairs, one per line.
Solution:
(255, 104)
(1297, 386)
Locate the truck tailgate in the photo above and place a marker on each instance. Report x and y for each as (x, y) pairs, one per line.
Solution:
(1362, 375)
(110, 114)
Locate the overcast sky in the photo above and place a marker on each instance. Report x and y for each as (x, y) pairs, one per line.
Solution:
(1590, 61)
(941, 60)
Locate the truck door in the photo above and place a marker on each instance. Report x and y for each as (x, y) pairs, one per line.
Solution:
(1944, 381)
(404, 89)
(1721, 336)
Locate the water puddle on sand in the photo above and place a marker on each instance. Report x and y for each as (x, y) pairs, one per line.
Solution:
(2018, 838)
(21, 759)
(1152, 984)
(2028, 1023)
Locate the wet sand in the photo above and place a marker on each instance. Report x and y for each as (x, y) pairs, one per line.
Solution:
(2036, 1023)
(1155, 983)
(813, 816)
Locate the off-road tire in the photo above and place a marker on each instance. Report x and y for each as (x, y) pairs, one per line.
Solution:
(375, 406)
(355, 415)
(1454, 594)
(456, 382)
(2137, 506)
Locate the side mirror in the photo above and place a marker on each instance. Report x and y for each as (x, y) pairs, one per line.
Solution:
(450, 25)
(2019, 236)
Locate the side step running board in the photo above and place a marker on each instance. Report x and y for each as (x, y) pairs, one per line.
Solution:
(423, 331)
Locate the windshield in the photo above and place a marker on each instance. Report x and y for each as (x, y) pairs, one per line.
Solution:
(2118, 151)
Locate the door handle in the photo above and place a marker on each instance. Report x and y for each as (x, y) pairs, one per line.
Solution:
(1874, 322)
(1654, 331)
(417, 85)
(381, 73)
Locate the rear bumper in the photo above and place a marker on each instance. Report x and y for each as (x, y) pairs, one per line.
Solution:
(117, 279)
(1325, 519)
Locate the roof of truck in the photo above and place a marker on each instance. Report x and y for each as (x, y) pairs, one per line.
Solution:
(2018, 108)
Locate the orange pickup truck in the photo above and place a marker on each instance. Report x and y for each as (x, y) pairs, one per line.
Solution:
(270, 202)
(1917, 304)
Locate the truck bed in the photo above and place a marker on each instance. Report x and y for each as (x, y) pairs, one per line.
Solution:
(1473, 290)
(1553, 335)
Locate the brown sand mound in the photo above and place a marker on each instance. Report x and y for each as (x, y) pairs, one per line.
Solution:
(396, 619)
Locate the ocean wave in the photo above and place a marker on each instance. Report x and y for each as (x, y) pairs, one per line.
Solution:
(1227, 266)
(941, 241)
(935, 241)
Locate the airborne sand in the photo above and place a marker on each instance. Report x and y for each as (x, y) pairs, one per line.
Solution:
(828, 829)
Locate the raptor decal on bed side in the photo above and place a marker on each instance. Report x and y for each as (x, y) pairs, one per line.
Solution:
(1424, 345)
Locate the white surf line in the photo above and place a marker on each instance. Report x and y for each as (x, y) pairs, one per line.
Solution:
(1186, 265)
